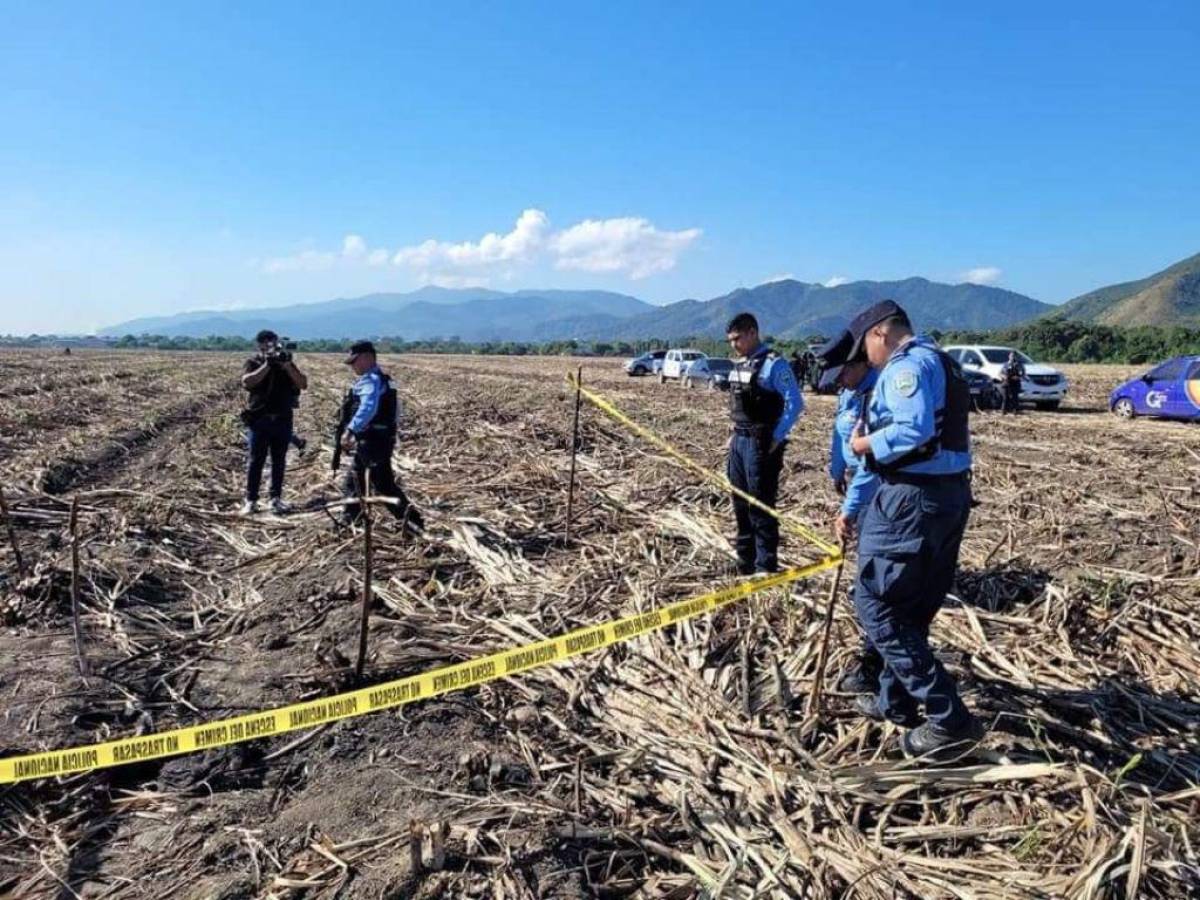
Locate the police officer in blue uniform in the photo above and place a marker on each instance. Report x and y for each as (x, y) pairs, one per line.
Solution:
(371, 435)
(916, 439)
(851, 479)
(764, 404)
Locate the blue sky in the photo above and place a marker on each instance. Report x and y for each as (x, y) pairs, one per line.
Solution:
(229, 155)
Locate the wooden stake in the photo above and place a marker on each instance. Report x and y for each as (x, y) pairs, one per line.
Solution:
(12, 535)
(364, 496)
(74, 529)
(818, 683)
(574, 452)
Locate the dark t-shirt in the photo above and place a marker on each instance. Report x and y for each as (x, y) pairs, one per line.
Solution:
(274, 395)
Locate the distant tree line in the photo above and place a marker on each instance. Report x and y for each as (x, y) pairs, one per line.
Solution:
(1050, 339)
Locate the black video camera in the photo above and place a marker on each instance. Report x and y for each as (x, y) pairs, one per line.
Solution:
(279, 351)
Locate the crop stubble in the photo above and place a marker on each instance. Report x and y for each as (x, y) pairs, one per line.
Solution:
(671, 764)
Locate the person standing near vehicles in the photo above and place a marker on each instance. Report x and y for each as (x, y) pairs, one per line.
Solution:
(851, 479)
(764, 404)
(1014, 375)
(272, 382)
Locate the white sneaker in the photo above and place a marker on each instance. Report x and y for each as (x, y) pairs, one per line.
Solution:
(249, 508)
(279, 508)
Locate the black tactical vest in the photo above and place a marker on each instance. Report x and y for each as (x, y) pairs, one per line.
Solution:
(383, 423)
(749, 404)
(951, 428)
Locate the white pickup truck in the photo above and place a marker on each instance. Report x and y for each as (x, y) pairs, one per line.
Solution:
(1043, 386)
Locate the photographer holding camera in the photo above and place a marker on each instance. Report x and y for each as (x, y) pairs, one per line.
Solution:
(273, 384)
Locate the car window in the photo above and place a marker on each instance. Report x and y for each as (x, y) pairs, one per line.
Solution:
(1168, 371)
(721, 365)
(970, 358)
(955, 354)
(658, 354)
(692, 355)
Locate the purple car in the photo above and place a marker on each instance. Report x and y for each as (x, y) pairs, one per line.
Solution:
(1170, 390)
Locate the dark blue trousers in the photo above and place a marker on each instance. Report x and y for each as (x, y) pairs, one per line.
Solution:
(372, 471)
(752, 469)
(907, 552)
(269, 435)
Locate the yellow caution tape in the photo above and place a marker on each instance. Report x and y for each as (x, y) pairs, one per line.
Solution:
(403, 691)
(714, 478)
(389, 694)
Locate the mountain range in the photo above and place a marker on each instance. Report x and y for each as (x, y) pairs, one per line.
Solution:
(1169, 297)
(785, 308)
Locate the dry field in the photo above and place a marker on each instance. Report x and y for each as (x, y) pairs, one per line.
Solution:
(677, 765)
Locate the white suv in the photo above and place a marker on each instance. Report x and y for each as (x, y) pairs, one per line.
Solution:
(676, 362)
(1045, 387)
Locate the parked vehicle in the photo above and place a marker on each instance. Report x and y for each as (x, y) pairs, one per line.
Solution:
(1043, 386)
(649, 363)
(710, 372)
(676, 361)
(985, 394)
(1171, 390)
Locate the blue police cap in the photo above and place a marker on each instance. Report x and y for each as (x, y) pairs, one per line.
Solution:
(868, 319)
(833, 355)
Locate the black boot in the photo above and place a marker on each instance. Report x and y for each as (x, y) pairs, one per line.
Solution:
(867, 706)
(942, 743)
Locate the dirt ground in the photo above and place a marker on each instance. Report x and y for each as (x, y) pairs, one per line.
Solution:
(677, 765)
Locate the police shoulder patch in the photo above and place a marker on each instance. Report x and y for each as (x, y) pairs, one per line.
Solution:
(904, 382)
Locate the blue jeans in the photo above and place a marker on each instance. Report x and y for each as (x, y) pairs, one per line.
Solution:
(756, 472)
(907, 553)
(268, 435)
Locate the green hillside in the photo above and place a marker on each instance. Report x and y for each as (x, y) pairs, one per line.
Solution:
(1169, 297)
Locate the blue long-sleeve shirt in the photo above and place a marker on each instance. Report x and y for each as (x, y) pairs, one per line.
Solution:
(368, 388)
(900, 419)
(860, 483)
(776, 376)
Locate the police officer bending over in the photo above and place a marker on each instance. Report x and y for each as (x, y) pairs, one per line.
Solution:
(273, 383)
(764, 404)
(371, 435)
(853, 480)
(917, 440)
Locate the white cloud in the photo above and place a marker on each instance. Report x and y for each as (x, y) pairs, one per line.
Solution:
(786, 276)
(981, 275)
(836, 281)
(627, 244)
(519, 245)
(353, 247)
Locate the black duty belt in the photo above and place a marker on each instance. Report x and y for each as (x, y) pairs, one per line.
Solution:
(924, 479)
(751, 428)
